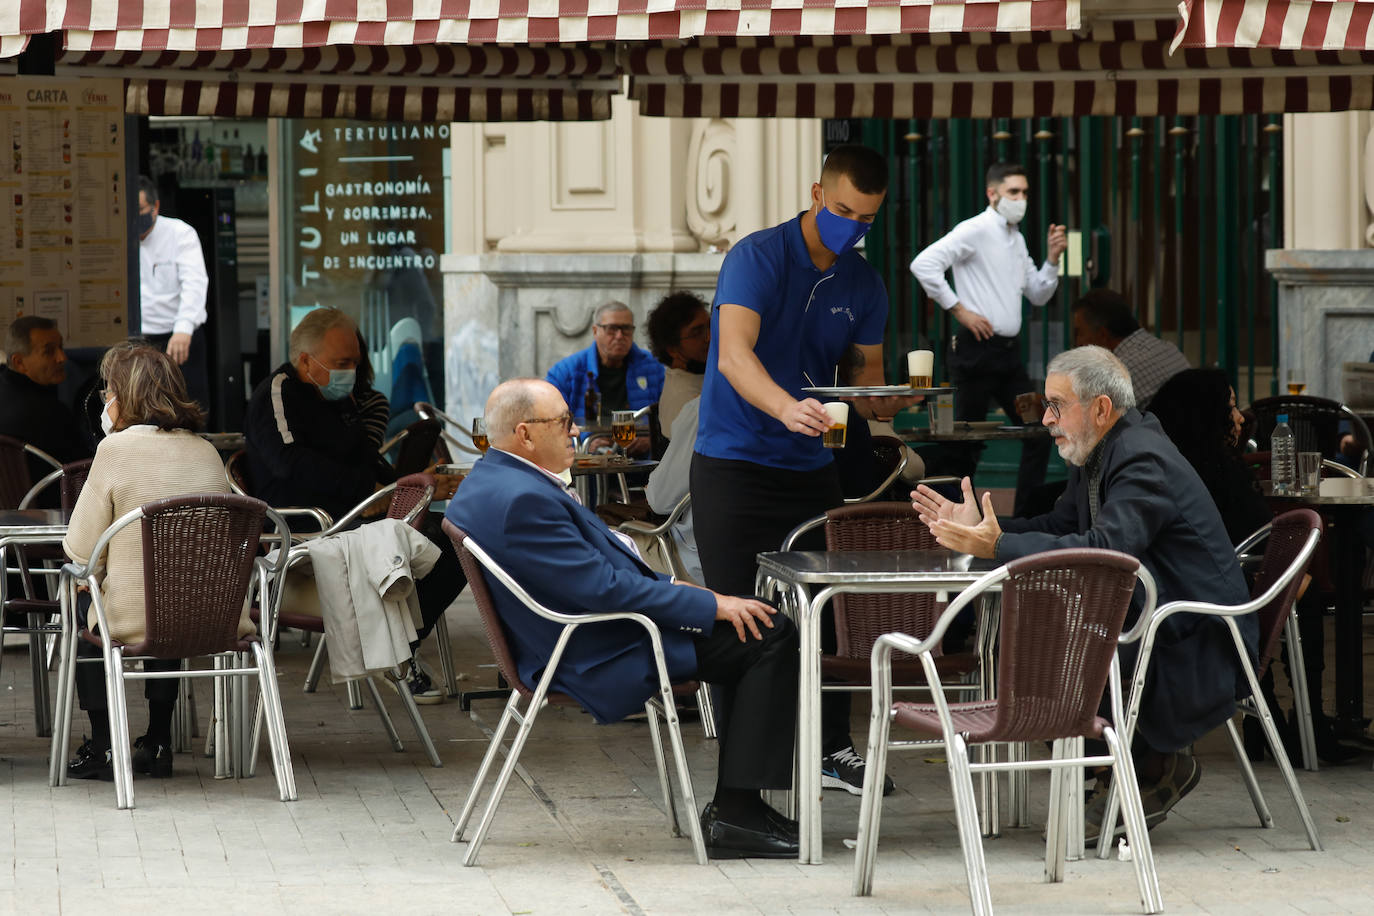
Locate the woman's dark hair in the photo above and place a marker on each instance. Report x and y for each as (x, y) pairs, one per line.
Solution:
(365, 376)
(1194, 407)
(149, 387)
(673, 313)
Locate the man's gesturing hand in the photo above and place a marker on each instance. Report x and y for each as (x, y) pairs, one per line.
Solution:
(744, 613)
(932, 506)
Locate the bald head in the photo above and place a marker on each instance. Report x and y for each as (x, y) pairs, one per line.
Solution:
(510, 403)
(529, 418)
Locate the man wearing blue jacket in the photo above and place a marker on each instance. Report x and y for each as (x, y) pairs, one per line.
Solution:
(516, 506)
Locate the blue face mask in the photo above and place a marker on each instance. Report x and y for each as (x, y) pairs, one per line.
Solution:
(340, 383)
(839, 233)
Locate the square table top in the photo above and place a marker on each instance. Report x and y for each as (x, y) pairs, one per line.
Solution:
(32, 522)
(854, 567)
(1334, 491)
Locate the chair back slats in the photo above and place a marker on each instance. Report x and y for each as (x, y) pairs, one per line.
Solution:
(1062, 612)
(15, 478)
(1287, 536)
(198, 556)
(410, 492)
(486, 609)
(73, 478)
(1315, 422)
(861, 619)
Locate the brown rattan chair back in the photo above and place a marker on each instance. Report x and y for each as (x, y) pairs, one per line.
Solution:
(861, 619)
(15, 478)
(1287, 536)
(198, 554)
(486, 609)
(410, 492)
(1062, 612)
(1315, 422)
(73, 478)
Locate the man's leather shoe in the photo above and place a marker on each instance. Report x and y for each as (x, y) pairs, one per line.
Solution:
(731, 841)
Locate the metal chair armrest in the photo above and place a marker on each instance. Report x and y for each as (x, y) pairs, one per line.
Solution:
(40, 454)
(810, 524)
(1341, 469)
(353, 514)
(881, 488)
(48, 480)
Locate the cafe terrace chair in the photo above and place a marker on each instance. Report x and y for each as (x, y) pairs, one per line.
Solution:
(1062, 612)
(480, 568)
(15, 475)
(200, 569)
(427, 411)
(416, 446)
(890, 455)
(1315, 423)
(1291, 541)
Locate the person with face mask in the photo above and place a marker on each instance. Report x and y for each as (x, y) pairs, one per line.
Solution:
(680, 338)
(172, 284)
(992, 271)
(790, 302)
(307, 444)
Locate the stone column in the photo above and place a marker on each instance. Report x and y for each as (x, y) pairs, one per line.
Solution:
(1326, 309)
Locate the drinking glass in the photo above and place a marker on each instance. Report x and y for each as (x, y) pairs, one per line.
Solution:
(839, 419)
(920, 367)
(1309, 471)
(1297, 381)
(622, 429)
(479, 433)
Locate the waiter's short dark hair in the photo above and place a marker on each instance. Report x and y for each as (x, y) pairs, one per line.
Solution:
(1108, 309)
(999, 172)
(865, 168)
(149, 188)
(673, 313)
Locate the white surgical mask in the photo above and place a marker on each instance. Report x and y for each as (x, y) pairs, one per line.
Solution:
(1013, 211)
(106, 421)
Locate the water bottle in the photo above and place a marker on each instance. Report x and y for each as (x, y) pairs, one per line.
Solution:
(1283, 457)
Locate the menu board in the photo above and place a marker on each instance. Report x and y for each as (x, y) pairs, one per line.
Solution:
(63, 219)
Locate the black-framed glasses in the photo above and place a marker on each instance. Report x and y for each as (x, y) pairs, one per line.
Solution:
(1054, 406)
(627, 330)
(566, 419)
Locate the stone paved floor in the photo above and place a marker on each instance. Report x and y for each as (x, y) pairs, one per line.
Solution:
(582, 832)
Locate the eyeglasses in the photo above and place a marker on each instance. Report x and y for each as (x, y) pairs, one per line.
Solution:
(1055, 406)
(566, 419)
(626, 330)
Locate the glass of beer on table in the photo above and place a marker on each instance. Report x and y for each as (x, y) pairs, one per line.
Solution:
(839, 419)
(622, 429)
(920, 366)
(479, 433)
(1297, 381)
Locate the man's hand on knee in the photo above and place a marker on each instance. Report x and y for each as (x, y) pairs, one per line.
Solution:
(744, 613)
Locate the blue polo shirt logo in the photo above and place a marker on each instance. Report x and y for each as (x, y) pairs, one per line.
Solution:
(842, 310)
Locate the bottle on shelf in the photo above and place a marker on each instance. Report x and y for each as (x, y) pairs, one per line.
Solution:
(250, 161)
(211, 159)
(1283, 457)
(591, 402)
(262, 160)
(195, 147)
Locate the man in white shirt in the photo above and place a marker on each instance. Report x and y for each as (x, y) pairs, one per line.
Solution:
(992, 270)
(172, 284)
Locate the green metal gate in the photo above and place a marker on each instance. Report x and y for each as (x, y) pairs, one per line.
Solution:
(1174, 213)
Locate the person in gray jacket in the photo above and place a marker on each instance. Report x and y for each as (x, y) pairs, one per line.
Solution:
(1130, 490)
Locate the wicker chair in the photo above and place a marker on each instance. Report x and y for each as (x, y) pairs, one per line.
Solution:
(464, 445)
(891, 456)
(1062, 612)
(479, 567)
(16, 469)
(201, 566)
(1292, 539)
(1315, 423)
(418, 444)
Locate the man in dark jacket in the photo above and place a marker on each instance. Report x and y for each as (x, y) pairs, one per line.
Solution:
(1130, 490)
(29, 407)
(306, 446)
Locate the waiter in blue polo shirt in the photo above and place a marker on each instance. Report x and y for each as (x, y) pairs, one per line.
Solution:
(790, 301)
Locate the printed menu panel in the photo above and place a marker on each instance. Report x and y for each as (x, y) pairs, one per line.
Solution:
(63, 219)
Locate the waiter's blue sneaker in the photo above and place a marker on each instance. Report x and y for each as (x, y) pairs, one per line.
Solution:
(844, 769)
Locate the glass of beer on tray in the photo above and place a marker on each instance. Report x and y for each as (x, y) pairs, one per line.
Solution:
(920, 366)
(622, 429)
(839, 419)
(479, 433)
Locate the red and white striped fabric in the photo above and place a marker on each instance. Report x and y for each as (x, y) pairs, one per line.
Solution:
(1115, 69)
(1327, 25)
(152, 25)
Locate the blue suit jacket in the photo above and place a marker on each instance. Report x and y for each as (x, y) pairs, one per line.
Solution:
(569, 561)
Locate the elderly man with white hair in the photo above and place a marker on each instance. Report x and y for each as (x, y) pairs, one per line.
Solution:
(1130, 490)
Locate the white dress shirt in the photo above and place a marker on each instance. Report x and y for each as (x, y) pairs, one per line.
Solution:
(992, 269)
(171, 278)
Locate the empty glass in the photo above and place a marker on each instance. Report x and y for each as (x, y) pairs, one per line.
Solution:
(1309, 471)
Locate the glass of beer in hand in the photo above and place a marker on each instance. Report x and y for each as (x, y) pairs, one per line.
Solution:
(921, 367)
(622, 429)
(839, 419)
(479, 433)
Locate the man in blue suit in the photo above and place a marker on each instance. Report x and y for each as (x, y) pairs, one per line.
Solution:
(518, 508)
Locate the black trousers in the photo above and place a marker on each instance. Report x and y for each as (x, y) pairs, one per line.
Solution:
(436, 591)
(741, 509)
(196, 369)
(90, 678)
(987, 371)
(756, 708)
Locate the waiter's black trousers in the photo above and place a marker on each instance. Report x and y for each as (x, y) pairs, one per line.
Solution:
(196, 369)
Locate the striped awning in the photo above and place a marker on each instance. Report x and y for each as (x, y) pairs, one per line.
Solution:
(1114, 69)
(1328, 25)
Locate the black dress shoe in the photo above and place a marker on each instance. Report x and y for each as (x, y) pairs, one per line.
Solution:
(782, 823)
(88, 764)
(152, 760)
(732, 841)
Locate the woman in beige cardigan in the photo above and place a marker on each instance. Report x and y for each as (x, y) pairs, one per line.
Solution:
(150, 452)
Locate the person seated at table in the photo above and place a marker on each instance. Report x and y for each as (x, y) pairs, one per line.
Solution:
(668, 484)
(626, 376)
(1104, 318)
(516, 506)
(30, 410)
(680, 338)
(150, 451)
(1129, 490)
(307, 444)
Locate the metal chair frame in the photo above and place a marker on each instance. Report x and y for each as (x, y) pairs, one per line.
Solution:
(427, 411)
(1255, 705)
(265, 580)
(661, 705)
(1064, 764)
(888, 481)
(1291, 403)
